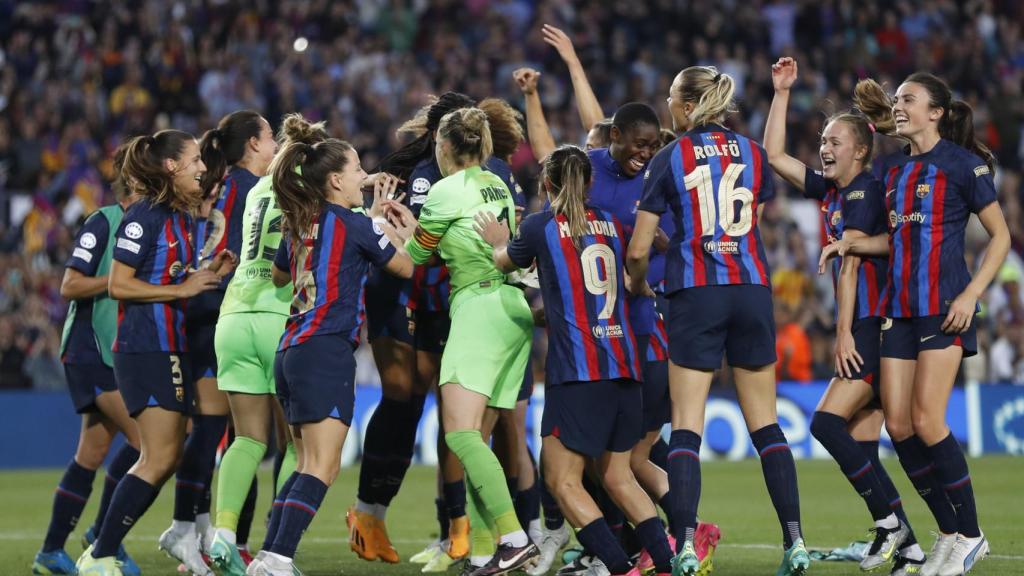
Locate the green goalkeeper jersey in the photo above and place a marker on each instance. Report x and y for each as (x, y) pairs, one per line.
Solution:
(251, 289)
(446, 226)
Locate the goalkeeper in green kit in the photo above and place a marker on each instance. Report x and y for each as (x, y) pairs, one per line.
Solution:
(489, 343)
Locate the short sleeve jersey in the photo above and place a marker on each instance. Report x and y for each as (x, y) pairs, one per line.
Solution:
(252, 289)
(713, 180)
(329, 270)
(157, 242)
(930, 198)
(90, 245)
(860, 205)
(446, 225)
(589, 332)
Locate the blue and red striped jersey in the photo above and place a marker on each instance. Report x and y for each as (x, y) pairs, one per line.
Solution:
(157, 242)
(589, 332)
(713, 180)
(858, 206)
(657, 347)
(90, 244)
(930, 198)
(221, 230)
(615, 192)
(329, 271)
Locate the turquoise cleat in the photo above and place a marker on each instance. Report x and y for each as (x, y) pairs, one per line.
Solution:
(795, 561)
(56, 562)
(686, 562)
(224, 555)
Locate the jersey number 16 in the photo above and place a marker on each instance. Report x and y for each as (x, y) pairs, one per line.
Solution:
(727, 197)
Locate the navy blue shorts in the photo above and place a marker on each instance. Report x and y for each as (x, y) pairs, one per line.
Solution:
(316, 380)
(592, 418)
(905, 338)
(708, 321)
(385, 318)
(657, 400)
(526, 390)
(430, 330)
(867, 334)
(161, 379)
(201, 350)
(86, 382)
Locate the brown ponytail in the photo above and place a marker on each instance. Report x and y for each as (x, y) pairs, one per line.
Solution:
(300, 181)
(144, 164)
(870, 98)
(568, 170)
(225, 145)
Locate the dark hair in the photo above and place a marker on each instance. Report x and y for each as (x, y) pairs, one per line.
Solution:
(144, 162)
(957, 122)
(568, 170)
(300, 181)
(876, 105)
(633, 113)
(401, 162)
(225, 145)
(119, 184)
(710, 91)
(667, 137)
(469, 133)
(862, 130)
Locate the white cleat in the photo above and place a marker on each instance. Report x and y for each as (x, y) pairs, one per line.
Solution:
(939, 554)
(965, 553)
(184, 547)
(441, 560)
(427, 554)
(551, 543)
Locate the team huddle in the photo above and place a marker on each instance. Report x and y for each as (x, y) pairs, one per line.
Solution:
(227, 291)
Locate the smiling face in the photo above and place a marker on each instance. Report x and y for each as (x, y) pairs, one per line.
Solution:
(842, 157)
(679, 110)
(263, 147)
(913, 111)
(346, 184)
(634, 147)
(186, 171)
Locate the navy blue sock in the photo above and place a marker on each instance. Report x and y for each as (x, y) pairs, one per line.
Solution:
(666, 505)
(278, 462)
(553, 518)
(196, 467)
(684, 480)
(527, 503)
(833, 433)
(917, 463)
(659, 454)
(68, 502)
(131, 500)
(403, 444)
(455, 498)
(870, 449)
(780, 477)
(245, 516)
(652, 536)
(597, 537)
(303, 500)
(444, 523)
(119, 466)
(951, 467)
(513, 486)
(377, 447)
(276, 510)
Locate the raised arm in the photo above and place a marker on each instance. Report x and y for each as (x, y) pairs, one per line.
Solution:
(784, 74)
(537, 129)
(586, 102)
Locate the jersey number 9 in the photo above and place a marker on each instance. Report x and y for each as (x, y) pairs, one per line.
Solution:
(593, 259)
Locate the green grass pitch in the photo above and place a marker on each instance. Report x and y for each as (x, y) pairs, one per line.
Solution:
(734, 497)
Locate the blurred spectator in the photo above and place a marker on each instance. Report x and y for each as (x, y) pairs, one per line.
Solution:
(77, 78)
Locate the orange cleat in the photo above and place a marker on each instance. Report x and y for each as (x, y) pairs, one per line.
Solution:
(458, 537)
(361, 534)
(385, 551)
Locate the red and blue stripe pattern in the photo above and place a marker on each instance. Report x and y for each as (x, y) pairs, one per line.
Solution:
(159, 326)
(705, 260)
(918, 246)
(428, 290)
(657, 348)
(584, 347)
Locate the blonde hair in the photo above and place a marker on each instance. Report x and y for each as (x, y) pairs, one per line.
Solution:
(871, 99)
(710, 91)
(568, 170)
(469, 133)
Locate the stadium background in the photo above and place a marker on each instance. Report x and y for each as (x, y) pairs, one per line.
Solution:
(78, 77)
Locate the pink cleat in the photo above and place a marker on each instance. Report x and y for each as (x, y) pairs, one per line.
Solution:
(705, 540)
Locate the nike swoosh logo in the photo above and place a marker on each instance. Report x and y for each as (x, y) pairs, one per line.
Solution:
(927, 338)
(890, 192)
(172, 244)
(503, 565)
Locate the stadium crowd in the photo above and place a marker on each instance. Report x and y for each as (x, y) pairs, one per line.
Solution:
(79, 77)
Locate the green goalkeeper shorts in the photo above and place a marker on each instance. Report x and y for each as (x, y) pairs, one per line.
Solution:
(489, 343)
(246, 343)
